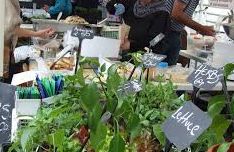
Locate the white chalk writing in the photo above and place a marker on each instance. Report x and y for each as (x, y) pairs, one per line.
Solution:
(151, 59)
(183, 118)
(206, 74)
(82, 33)
(5, 116)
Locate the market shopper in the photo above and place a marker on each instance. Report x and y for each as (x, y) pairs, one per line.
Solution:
(181, 16)
(145, 21)
(12, 31)
(64, 6)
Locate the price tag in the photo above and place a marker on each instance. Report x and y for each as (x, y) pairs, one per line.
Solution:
(152, 59)
(185, 125)
(7, 103)
(82, 33)
(225, 4)
(130, 87)
(106, 116)
(205, 77)
(157, 39)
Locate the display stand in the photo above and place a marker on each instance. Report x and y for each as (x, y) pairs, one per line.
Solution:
(2, 19)
(78, 51)
(81, 34)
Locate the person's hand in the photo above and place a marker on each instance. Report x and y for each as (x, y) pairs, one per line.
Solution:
(46, 8)
(207, 30)
(46, 33)
(125, 45)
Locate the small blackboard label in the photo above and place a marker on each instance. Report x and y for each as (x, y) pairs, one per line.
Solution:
(205, 76)
(186, 125)
(152, 59)
(82, 33)
(106, 116)
(130, 87)
(157, 39)
(7, 103)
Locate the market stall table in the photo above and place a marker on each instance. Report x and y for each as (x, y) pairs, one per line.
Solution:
(223, 53)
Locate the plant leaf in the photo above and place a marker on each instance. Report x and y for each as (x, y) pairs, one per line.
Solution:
(89, 97)
(228, 69)
(56, 139)
(26, 138)
(103, 67)
(158, 132)
(94, 117)
(219, 126)
(216, 105)
(80, 76)
(224, 147)
(117, 144)
(97, 138)
(133, 125)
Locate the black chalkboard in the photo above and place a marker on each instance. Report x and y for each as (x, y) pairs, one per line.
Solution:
(205, 76)
(7, 103)
(130, 87)
(152, 59)
(82, 33)
(186, 125)
(106, 116)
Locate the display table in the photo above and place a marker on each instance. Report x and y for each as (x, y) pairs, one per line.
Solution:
(223, 53)
(189, 87)
(27, 26)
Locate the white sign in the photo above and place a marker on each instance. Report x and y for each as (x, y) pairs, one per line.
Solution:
(225, 4)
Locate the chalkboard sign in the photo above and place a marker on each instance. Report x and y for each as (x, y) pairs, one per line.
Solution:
(157, 39)
(130, 87)
(205, 77)
(82, 33)
(7, 103)
(106, 116)
(186, 125)
(152, 59)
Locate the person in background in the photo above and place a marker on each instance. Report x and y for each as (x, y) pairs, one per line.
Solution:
(12, 31)
(64, 6)
(145, 21)
(181, 12)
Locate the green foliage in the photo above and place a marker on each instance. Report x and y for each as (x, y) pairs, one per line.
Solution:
(228, 69)
(98, 137)
(224, 147)
(216, 105)
(56, 126)
(117, 144)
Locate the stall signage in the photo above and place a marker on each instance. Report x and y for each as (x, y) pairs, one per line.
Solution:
(7, 103)
(157, 39)
(152, 59)
(82, 33)
(205, 77)
(225, 4)
(129, 87)
(186, 125)
(106, 116)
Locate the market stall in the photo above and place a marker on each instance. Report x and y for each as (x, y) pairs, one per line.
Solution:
(75, 94)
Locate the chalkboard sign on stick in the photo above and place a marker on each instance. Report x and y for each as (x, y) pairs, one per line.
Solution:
(133, 86)
(152, 59)
(7, 103)
(82, 33)
(186, 125)
(205, 76)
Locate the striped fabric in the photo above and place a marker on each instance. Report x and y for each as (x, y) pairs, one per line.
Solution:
(190, 8)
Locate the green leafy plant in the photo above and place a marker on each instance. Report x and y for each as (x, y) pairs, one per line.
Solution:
(93, 116)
